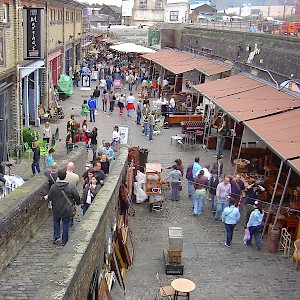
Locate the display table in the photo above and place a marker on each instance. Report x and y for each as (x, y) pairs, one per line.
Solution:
(182, 286)
(177, 119)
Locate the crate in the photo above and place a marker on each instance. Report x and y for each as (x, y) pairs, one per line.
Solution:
(172, 268)
(174, 256)
(175, 242)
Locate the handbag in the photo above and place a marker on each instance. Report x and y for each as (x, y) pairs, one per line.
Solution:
(71, 204)
(247, 235)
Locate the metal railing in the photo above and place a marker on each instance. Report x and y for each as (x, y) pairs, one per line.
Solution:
(7, 189)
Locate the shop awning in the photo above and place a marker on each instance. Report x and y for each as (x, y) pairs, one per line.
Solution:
(179, 62)
(131, 48)
(280, 132)
(227, 86)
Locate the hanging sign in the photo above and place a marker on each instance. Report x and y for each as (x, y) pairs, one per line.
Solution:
(33, 32)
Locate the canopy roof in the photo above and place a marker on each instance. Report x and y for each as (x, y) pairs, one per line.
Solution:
(179, 62)
(280, 132)
(131, 48)
(295, 164)
(227, 86)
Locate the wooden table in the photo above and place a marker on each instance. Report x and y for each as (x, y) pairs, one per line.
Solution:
(184, 286)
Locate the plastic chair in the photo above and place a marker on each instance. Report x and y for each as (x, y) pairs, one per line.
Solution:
(28, 149)
(296, 254)
(165, 292)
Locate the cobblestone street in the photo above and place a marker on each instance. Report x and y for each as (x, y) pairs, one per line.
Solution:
(239, 272)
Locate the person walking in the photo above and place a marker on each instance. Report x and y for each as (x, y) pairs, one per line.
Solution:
(254, 224)
(35, 166)
(230, 217)
(237, 189)
(222, 194)
(200, 185)
(104, 101)
(84, 109)
(121, 104)
(89, 193)
(115, 138)
(175, 178)
(94, 142)
(92, 108)
(213, 183)
(138, 112)
(151, 122)
(130, 81)
(63, 196)
(112, 99)
(72, 177)
(190, 179)
(130, 105)
(96, 96)
(47, 133)
(218, 166)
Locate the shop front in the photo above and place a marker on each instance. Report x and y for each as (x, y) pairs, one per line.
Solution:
(6, 85)
(55, 65)
(31, 91)
(69, 59)
(77, 55)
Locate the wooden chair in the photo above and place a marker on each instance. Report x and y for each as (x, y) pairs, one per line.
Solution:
(165, 292)
(296, 254)
(43, 115)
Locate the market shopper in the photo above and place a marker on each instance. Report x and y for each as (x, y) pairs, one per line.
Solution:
(47, 133)
(254, 224)
(213, 183)
(230, 218)
(151, 122)
(237, 189)
(63, 196)
(221, 138)
(92, 108)
(89, 193)
(130, 105)
(35, 166)
(175, 178)
(222, 194)
(121, 104)
(200, 185)
(138, 112)
(84, 109)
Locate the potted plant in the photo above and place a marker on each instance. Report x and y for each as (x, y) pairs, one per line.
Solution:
(57, 133)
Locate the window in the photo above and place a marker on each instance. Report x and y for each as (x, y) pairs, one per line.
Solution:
(5, 13)
(159, 4)
(173, 15)
(67, 16)
(72, 16)
(142, 4)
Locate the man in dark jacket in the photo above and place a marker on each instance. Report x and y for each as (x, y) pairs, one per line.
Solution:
(213, 183)
(63, 196)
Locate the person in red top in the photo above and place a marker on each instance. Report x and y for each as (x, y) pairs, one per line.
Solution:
(200, 185)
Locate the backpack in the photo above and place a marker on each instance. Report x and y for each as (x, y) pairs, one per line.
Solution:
(189, 173)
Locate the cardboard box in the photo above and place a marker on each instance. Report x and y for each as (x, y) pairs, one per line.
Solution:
(175, 239)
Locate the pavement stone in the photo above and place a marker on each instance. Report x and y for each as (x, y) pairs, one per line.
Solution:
(219, 273)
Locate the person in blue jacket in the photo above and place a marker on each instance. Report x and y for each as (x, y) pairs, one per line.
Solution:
(92, 107)
(230, 217)
(254, 224)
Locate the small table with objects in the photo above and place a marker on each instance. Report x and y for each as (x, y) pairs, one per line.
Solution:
(182, 286)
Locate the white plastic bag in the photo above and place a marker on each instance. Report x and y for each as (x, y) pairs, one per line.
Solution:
(140, 177)
(141, 196)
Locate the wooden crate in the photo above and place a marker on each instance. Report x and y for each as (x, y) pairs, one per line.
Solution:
(175, 257)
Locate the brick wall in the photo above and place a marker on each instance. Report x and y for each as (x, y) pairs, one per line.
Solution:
(71, 275)
(25, 209)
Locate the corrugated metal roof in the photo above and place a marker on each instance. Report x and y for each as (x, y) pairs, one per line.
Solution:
(180, 62)
(227, 86)
(280, 132)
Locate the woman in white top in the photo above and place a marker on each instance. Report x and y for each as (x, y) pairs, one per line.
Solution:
(116, 138)
(47, 132)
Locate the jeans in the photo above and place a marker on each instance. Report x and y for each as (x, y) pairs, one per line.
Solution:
(213, 202)
(92, 114)
(145, 128)
(129, 112)
(130, 86)
(220, 146)
(175, 190)
(85, 207)
(220, 207)
(151, 132)
(104, 105)
(191, 189)
(198, 203)
(229, 232)
(65, 232)
(171, 110)
(138, 117)
(254, 232)
(69, 148)
(97, 102)
(35, 165)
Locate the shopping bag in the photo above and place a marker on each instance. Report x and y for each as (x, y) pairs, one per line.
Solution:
(247, 235)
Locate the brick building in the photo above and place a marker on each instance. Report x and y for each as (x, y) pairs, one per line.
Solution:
(27, 77)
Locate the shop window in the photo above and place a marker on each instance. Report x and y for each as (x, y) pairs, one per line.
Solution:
(143, 4)
(173, 16)
(159, 4)
(5, 13)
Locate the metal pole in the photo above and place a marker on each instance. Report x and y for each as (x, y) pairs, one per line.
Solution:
(273, 196)
(176, 77)
(240, 149)
(232, 141)
(282, 196)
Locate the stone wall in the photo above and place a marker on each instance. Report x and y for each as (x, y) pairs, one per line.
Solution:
(24, 210)
(279, 54)
(72, 273)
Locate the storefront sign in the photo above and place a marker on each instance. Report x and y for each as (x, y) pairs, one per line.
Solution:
(33, 24)
(2, 46)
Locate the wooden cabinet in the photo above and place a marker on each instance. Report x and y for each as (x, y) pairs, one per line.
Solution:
(153, 178)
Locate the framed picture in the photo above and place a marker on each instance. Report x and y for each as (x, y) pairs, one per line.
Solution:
(2, 46)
